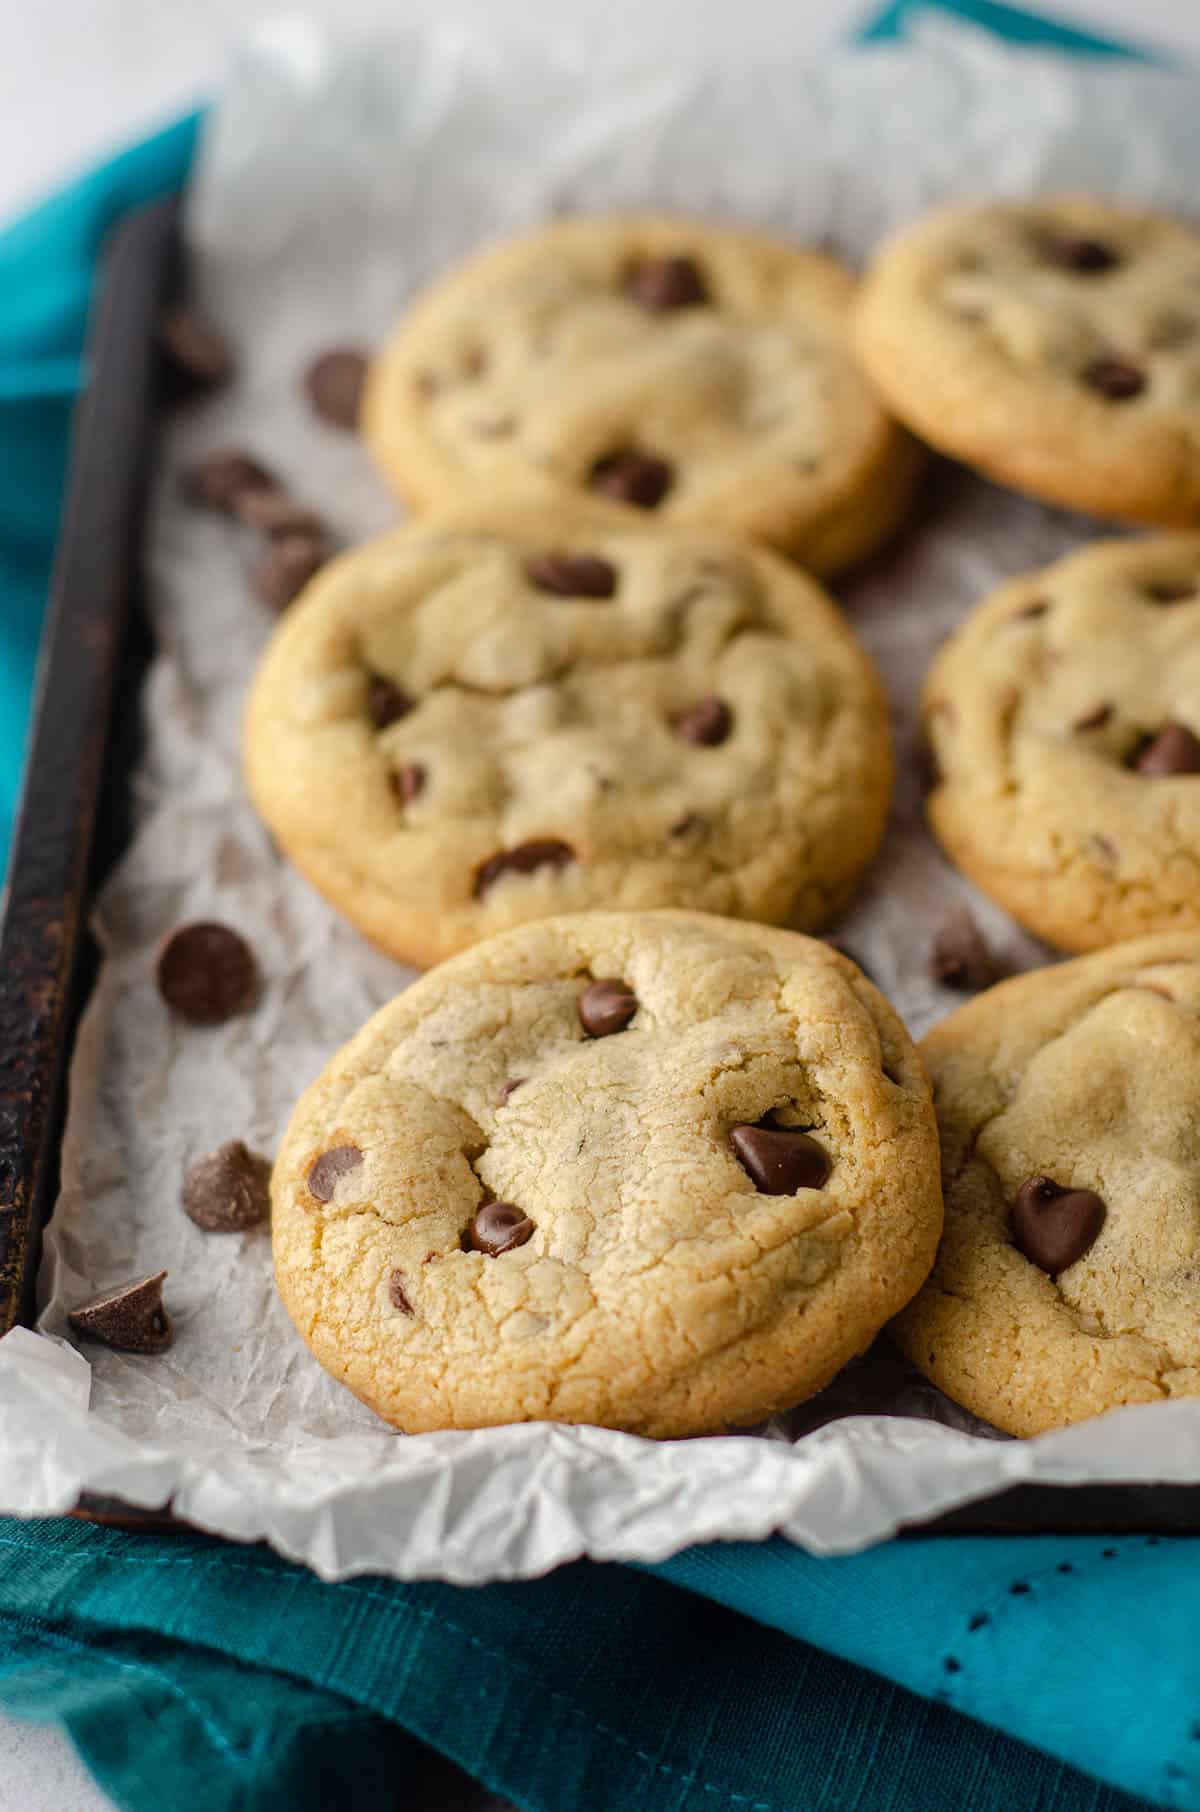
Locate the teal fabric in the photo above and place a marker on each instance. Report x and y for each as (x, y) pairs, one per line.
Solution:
(192, 1674)
(1012, 22)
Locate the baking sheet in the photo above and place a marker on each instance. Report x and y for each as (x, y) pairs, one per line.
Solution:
(333, 183)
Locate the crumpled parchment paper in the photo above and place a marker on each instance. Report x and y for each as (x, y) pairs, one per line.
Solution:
(332, 184)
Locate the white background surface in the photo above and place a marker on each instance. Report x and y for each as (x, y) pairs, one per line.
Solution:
(79, 76)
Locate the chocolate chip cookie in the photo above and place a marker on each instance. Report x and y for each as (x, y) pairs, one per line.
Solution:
(658, 1171)
(1054, 344)
(484, 719)
(1068, 1278)
(1064, 722)
(695, 374)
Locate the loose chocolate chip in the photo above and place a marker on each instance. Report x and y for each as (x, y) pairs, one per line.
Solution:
(197, 351)
(408, 782)
(1175, 750)
(498, 1227)
(573, 575)
(1172, 591)
(1054, 1226)
(707, 723)
(779, 1160)
(606, 1006)
(228, 1191)
(1115, 379)
(286, 568)
(632, 477)
(130, 1318)
(1087, 256)
(665, 283)
(1095, 719)
(523, 859)
(398, 1295)
(324, 1171)
(270, 509)
(217, 479)
(334, 383)
(960, 957)
(386, 703)
(207, 973)
(510, 1088)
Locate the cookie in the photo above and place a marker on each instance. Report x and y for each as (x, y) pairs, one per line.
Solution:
(1063, 719)
(657, 1171)
(484, 719)
(1054, 344)
(696, 374)
(1067, 1279)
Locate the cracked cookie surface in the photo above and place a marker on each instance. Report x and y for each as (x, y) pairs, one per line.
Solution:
(656, 1171)
(695, 374)
(1054, 344)
(484, 719)
(1082, 1080)
(1064, 722)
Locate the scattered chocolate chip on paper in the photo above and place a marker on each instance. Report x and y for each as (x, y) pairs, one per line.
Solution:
(228, 1191)
(207, 973)
(130, 1318)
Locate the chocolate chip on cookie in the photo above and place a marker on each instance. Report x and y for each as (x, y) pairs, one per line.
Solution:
(323, 1172)
(510, 1088)
(707, 724)
(386, 702)
(220, 478)
(660, 284)
(286, 568)
(207, 973)
(197, 351)
(523, 859)
(778, 1159)
(1087, 257)
(1174, 750)
(960, 957)
(1052, 1225)
(397, 1294)
(1095, 719)
(573, 575)
(498, 1227)
(408, 782)
(606, 1006)
(228, 1191)
(130, 1318)
(1117, 379)
(334, 384)
(1171, 591)
(632, 477)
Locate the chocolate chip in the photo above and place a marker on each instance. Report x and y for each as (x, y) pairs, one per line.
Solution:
(386, 703)
(323, 1172)
(207, 973)
(523, 859)
(334, 383)
(498, 1227)
(197, 351)
(960, 957)
(606, 1006)
(691, 824)
(1175, 750)
(1095, 719)
(573, 575)
(632, 477)
(1115, 379)
(1086, 256)
(130, 1318)
(1054, 1226)
(286, 568)
(1172, 591)
(779, 1160)
(217, 479)
(1036, 608)
(270, 509)
(398, 1295)
(228, 1191)
(665, 283)
(707, 723)
(408, 782)
(510, 1088)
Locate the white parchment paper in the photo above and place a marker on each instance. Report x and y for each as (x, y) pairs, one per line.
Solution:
(331, 185)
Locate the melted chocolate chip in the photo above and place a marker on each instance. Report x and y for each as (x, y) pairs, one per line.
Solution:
(691, 824)
(523, 859)
(1028, 612)
(131, 1318)
(1095, 719)
(632, 477)
(1115, 379)
(197, 351)
(1054, 1226)
(573, 575)
(606, 1006)
(510, 1088)
(1171, 591)
(207, 973)
(1175, 750)
(323, 1172)
(334, 383)
(498, 1227)
(386, 703)
(665, 283)
(286, 568)
(960, 957)
(779, 1160)
(408, 782)
(706, 724)
(219, 478)
(1088, 257)
(398, 1295)
(228, 1191)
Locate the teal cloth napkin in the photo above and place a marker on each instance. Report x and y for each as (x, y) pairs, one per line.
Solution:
(732, 1677)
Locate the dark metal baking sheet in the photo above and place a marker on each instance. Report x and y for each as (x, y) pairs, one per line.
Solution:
(73, 822)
